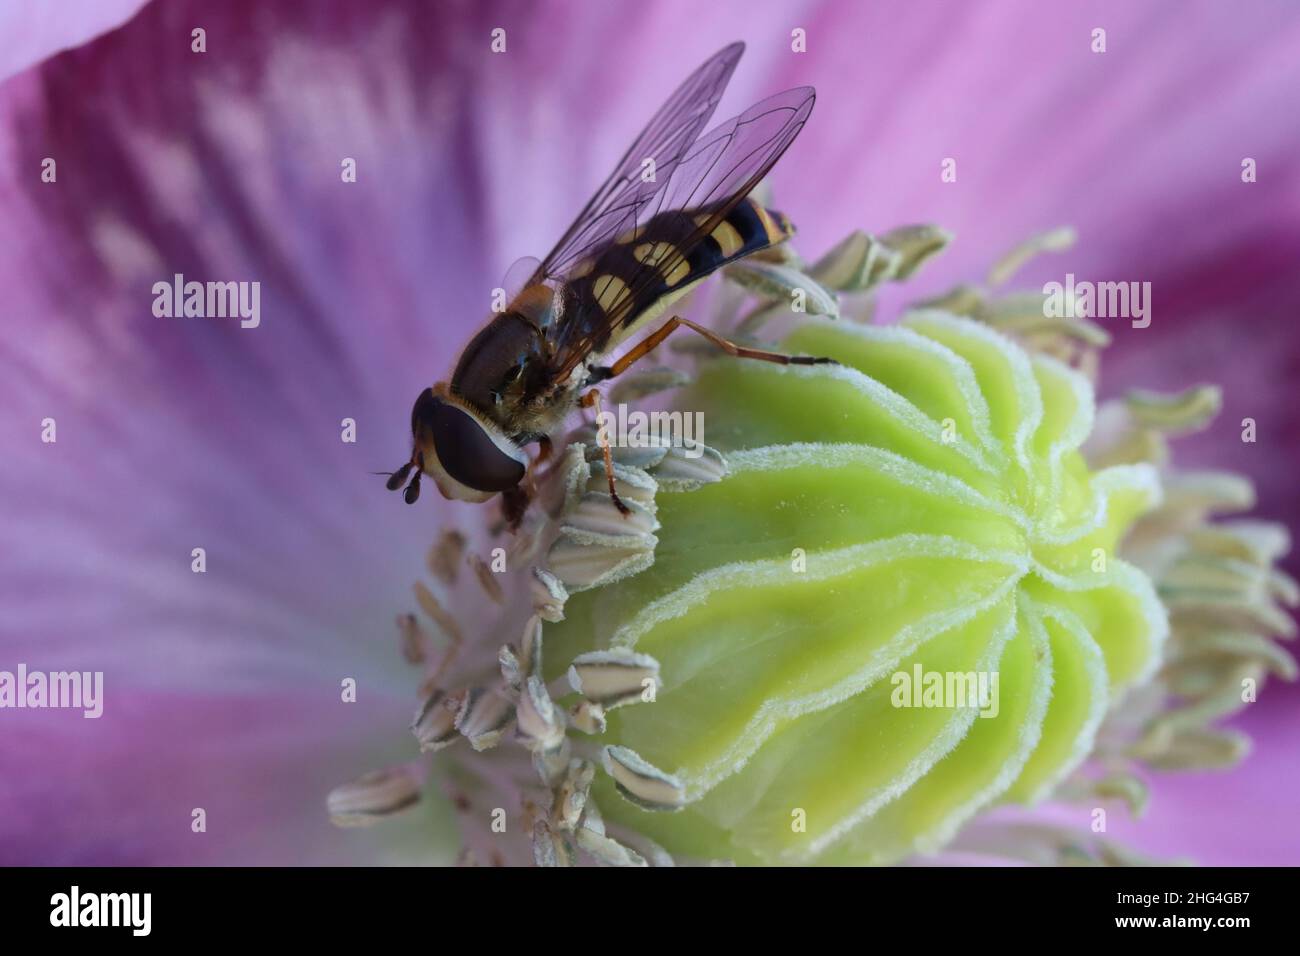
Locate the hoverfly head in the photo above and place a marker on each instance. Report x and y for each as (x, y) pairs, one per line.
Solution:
(468, 457)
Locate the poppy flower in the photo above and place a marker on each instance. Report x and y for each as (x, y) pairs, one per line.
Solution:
(188, 506)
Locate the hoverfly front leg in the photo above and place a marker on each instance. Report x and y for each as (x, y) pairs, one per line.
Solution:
(514, 504)
(592, 400)
(514, 501)
(544, 448)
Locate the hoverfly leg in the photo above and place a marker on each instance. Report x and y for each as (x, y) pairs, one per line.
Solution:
(515, 501)
(641, 349)
(740, 351)
(544, 449)
(514, 504)
(592, 400)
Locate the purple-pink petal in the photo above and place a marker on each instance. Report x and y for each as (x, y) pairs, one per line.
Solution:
(182, 433)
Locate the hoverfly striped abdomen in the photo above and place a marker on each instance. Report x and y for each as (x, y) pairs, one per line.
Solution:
(744, 230)
(639, 274)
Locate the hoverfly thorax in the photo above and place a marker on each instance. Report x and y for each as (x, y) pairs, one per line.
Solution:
(503, 370)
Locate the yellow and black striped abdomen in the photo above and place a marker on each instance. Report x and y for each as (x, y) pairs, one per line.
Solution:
(639, 275)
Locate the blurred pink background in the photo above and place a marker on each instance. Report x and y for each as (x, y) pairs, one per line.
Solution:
(223, 687)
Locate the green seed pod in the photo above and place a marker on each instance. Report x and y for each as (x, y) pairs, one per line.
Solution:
(900, 604)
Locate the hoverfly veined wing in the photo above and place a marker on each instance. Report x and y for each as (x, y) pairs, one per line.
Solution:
(666, 140)
(517, 277)
(710, 181)
(524, 295)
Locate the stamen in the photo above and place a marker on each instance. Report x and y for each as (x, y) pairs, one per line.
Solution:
(607, 851)
(445, 556)
(571, 794)
(615, 677)
(641, 782)
(370, 798)
(588, 717)
(540, 723)
(435, 722)
(487, 579)
(583, 560)
(414, 641)
(483, 718)
(549, 595)
(517, 665)
(552, 848)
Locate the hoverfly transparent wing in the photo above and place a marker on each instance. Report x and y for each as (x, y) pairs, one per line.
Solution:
(714, 175)
(648, 164)
(521, 272)
(522, 292)
(730, 160)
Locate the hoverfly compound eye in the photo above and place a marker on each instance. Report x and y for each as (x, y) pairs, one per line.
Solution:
(467, 450)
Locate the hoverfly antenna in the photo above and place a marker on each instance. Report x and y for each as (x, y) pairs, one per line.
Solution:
(396, 478)
(399, 477)
(412, 491)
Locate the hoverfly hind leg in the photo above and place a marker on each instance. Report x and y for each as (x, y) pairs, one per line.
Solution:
(745, 351)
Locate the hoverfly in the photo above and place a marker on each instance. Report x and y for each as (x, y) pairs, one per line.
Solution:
(641, 243)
